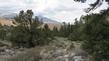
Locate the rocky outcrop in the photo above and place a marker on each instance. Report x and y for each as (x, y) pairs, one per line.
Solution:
(60, 49)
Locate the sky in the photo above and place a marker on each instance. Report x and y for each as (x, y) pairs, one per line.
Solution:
(59, 10)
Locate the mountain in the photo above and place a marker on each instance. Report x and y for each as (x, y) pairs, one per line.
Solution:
(42, 18)
(4, 21)
(51, 23)
(47, 20)
(7, 20)
(9, 16)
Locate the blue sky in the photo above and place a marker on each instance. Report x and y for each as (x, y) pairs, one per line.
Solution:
(60, 10)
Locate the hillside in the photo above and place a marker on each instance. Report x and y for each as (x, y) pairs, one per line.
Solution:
(4, 21)
(60, 49)
(50, 23)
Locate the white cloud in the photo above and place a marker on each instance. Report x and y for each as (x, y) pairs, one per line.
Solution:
(60, 10)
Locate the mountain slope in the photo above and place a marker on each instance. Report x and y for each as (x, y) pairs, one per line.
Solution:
(51, 23)
(42, 18)
(9, 16)
(4, 21)
(47, 20)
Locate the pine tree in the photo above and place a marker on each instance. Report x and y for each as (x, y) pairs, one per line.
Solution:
(94, 5)
(26, 33)
(96, 32)
(55, 31)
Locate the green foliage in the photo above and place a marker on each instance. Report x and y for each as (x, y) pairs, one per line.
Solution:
(96, 32)
(76, 31)
(93, 31)
(55, 31)
(72, 31)
(94, 5)
(27, 32)
(47, 31)
(46, 28)
(4, 32)
(65, 29)
(20, 37)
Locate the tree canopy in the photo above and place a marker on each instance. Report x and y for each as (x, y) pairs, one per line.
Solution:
(94, 5)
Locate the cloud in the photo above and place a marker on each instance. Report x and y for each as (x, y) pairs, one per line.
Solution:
(60, 10)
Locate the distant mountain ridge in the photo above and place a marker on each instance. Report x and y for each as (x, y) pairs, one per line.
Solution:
(7, 20)
(9, 16)
(47, 20)
(42, 18)
(4, 21)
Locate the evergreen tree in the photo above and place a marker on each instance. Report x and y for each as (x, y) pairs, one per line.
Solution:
(76, 31)
(47, 31)
(26, 33)
(94, 5)
(96, 32)
(2, 32)
(55, 31)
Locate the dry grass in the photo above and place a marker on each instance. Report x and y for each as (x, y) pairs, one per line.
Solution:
(29, 55)
(60, 49)
(9, 23)
(52, 25)
(6, 22)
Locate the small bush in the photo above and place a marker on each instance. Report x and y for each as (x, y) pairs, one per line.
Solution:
(32, 55)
